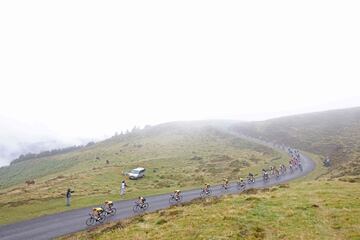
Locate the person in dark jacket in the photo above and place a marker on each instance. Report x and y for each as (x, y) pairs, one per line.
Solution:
(68, 196)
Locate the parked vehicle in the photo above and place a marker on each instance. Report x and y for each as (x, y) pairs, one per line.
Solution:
(136, 173)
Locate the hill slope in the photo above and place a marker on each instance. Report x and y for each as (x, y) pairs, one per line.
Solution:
(333, 133)
(176, 155)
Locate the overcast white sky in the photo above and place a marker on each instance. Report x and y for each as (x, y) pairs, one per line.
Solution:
(90, 68)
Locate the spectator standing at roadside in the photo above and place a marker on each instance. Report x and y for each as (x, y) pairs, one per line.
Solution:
(68, 196)
(123, 188)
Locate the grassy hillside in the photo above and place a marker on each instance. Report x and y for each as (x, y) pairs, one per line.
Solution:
(307, 210)
(176, 155)
(333, 133)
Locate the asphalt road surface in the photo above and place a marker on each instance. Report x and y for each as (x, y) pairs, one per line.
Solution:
(56, 225)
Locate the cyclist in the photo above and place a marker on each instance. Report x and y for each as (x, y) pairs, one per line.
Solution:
(226, 183)
(108, 205)
(272, 170)
(241, 183)
(141, 201)
(277, 173)
(300, 166)
(207, 188)
(265, 174)
(96, 213)
(282, 169)
(177, 194)
(251, 177)
(290, 162)
(291, 168)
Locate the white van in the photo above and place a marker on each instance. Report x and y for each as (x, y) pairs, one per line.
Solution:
(136, 173)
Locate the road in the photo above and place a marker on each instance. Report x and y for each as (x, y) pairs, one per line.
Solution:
(56, 225)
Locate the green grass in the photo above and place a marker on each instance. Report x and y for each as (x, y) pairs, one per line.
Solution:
(176, 156)
(332, 133)
(307, 210)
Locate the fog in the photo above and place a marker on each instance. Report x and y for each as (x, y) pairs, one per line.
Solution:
(18, 138)
(74, 70)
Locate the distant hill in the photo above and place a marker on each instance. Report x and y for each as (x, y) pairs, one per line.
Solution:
(17, 138)
(176, 155)
(47, 153)
(331, 133)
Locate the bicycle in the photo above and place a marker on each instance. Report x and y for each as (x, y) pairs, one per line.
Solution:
(225, 188)
(205, 193)
(241, 186)
(92, 220)
(251, 180)
(109, 211)
(140, 207)
(175, 199)
(291, 169)
(277, 175)
(266, 177)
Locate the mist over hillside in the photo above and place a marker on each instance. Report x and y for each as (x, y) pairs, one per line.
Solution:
(18, 138)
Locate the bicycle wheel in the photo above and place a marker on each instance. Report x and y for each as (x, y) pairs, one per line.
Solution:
(113, 211)
(136, 208)
(104, 214)
(172, 200)
(101, 219)
(224, 189)
(202, 194)
(180, 198)
(145, 206)
(90, 221)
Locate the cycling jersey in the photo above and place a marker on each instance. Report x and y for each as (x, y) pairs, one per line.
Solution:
(142, 199)
(108, 204)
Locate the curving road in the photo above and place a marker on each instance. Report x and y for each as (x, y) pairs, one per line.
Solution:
(56, 225)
